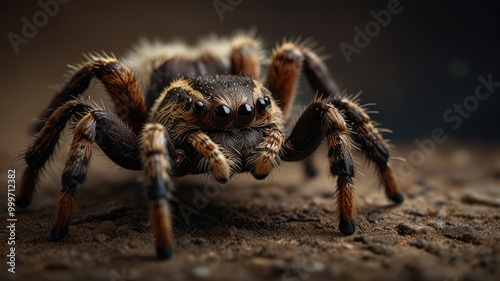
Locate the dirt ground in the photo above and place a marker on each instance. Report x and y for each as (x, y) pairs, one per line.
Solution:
(283, 228)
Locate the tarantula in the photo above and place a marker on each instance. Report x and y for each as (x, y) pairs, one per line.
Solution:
(187, 110)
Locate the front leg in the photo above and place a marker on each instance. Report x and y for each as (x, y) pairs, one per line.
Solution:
(266, 155)
(321, 119)
(219, 164)
(156, 167)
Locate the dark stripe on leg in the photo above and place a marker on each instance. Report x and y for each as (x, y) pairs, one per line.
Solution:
(156, 166)
(318, 76)
(346, 204)
(74, 173)
(373, 145)
(43, 147)
(119, 81)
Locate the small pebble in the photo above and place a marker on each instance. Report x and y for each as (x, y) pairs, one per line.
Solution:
(100, 237)
(416, 214)
(107, 228)
(421, 243)
(232, 231)
(380, 249)
(318, 267)
(491, 201)
(410, 229)
(123, 248)
(266, 251)
(462, 233)
(436, 249)
(348, 246)
(198, 241)
(201, 272)
(379, 244)
(378, 239)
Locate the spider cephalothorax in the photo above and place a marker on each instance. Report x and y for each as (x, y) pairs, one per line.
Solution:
(181, 110)
(235, 113)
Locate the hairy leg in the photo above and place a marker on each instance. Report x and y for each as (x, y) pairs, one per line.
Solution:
(40, 151)
(219, 164)
(74, 173)
(365, 133)
(156, 168)
(288, 61)
(120, 83)
(318, 76)
(266, 155)
(245, 58)
(321, 119)
(93, 125)
(372, 144)
(283, 75)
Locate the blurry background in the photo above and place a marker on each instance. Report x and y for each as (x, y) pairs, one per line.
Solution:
(422, 63)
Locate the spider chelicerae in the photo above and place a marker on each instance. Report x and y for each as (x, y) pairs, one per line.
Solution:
(187, 110)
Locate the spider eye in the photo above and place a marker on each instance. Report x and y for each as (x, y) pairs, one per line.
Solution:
(267, 100)
(262, 104)
(189, 102)
(245, 114)
(222, 115)
(199, 108)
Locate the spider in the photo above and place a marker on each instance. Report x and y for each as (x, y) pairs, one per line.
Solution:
(183, 110)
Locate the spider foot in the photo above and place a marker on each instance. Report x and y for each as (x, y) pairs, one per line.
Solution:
(164, 252)
(221, 166)
(58, 233)
(221, 180)
(221, 170)
(266, 156)
(397, 198)
(347, 227)
(311, 171)
(258, 176)
(23, 199)
(23, 202)
(264, 163)
(391, 188)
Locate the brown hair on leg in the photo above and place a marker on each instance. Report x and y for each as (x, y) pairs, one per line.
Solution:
(39, 152)
(74, 173)
(119, 81)
(156, 166)
(283, 75)
(245, 57)
(373, 145)
(220, 165)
